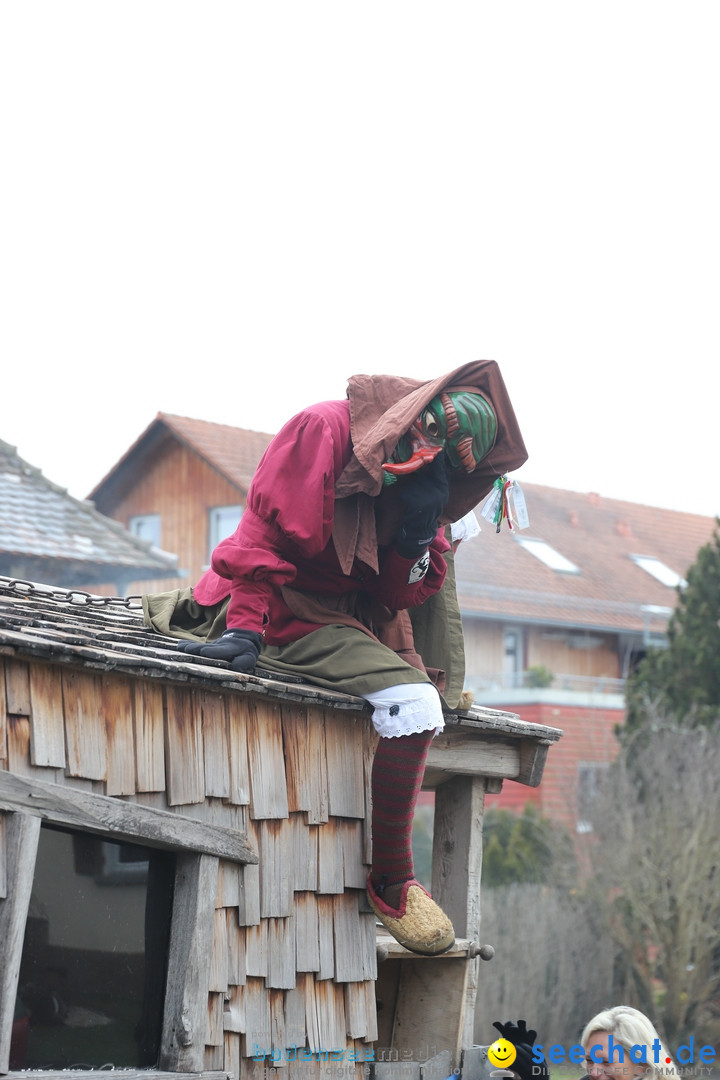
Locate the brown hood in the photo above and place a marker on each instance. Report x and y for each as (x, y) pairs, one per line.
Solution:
(382, 409)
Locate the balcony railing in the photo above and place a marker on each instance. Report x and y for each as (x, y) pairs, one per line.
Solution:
(586, 684)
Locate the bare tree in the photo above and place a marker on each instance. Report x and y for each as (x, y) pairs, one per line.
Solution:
(552, 964)
(656, 869)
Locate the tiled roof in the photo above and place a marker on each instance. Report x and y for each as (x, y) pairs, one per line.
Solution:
(41, 525)
(219, 444)
(497, 577)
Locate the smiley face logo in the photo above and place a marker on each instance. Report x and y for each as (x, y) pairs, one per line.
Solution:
(502, 1053)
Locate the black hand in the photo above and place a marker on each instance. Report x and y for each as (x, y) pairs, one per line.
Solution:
(523, 1039)
(239, 648)
(424, 494)
(516, 1033)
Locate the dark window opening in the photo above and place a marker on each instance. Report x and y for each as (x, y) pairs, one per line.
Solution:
(92, 976)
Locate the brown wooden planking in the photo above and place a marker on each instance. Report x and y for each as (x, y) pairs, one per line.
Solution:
(215, 743)
(231, 1052)
(266, 761)
(47, 726)
(228, 894)
(295, 1014)
(307, 932)
(330, 858)
(249, 901)
(234, 1012)
(218, 961)
(118, 711)
(17, 687)
(327, 945)
(354, 869)
(149, 730)
(237, 750)
(3, 712)
(304, 854)
(18, 746)
(85, 732)
(256, 950)
(354, 933)
(344, 735)
(257, 1017)
(235, 936)
(316, 780)
(276, 886)
(183, 748)
(294, 729)
(214, 1036)
(281, 954)
(3, 857)
(326, 1000)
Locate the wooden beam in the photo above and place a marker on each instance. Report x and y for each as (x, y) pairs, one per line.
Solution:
(190, 953)
(532, 761)
(119, 820)
(21, 837)
(456, 750)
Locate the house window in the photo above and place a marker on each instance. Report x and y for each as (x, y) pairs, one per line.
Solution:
(659, 571)
(512, 658)
(92, 973)
(146, 527)
(222, 522)
(548, 555)
(590, 777)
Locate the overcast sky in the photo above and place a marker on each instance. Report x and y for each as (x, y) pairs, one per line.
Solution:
(224, 210)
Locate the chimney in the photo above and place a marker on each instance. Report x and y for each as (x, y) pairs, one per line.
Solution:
(622, 528)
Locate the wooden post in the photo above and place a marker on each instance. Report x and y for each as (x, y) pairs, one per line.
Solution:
(22, 833)
(191, 939)
(457, 852)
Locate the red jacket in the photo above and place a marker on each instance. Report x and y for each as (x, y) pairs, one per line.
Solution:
(280, 567)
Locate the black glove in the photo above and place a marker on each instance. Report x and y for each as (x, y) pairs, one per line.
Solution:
(239, 648)
(424, 494)
(523, 1040)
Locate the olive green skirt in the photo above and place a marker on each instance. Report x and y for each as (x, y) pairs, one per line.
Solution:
(337, 657)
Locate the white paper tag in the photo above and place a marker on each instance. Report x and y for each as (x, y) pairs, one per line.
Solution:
(522, 519)
(491, 504)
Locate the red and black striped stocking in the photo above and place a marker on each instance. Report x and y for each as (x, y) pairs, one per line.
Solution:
(397, 774)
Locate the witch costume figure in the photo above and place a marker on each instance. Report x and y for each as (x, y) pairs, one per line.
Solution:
(345, 533)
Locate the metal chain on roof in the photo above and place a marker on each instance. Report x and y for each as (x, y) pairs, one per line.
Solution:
(69, 596)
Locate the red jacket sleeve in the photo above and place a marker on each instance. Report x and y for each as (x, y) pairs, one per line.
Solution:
(290, 510)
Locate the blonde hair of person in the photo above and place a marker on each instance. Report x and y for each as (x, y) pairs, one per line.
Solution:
(629, 1027)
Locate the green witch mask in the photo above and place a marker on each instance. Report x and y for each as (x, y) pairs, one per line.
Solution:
(462, 424)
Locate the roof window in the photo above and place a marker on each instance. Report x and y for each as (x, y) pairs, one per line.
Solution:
(548, 555)
(659, 571)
